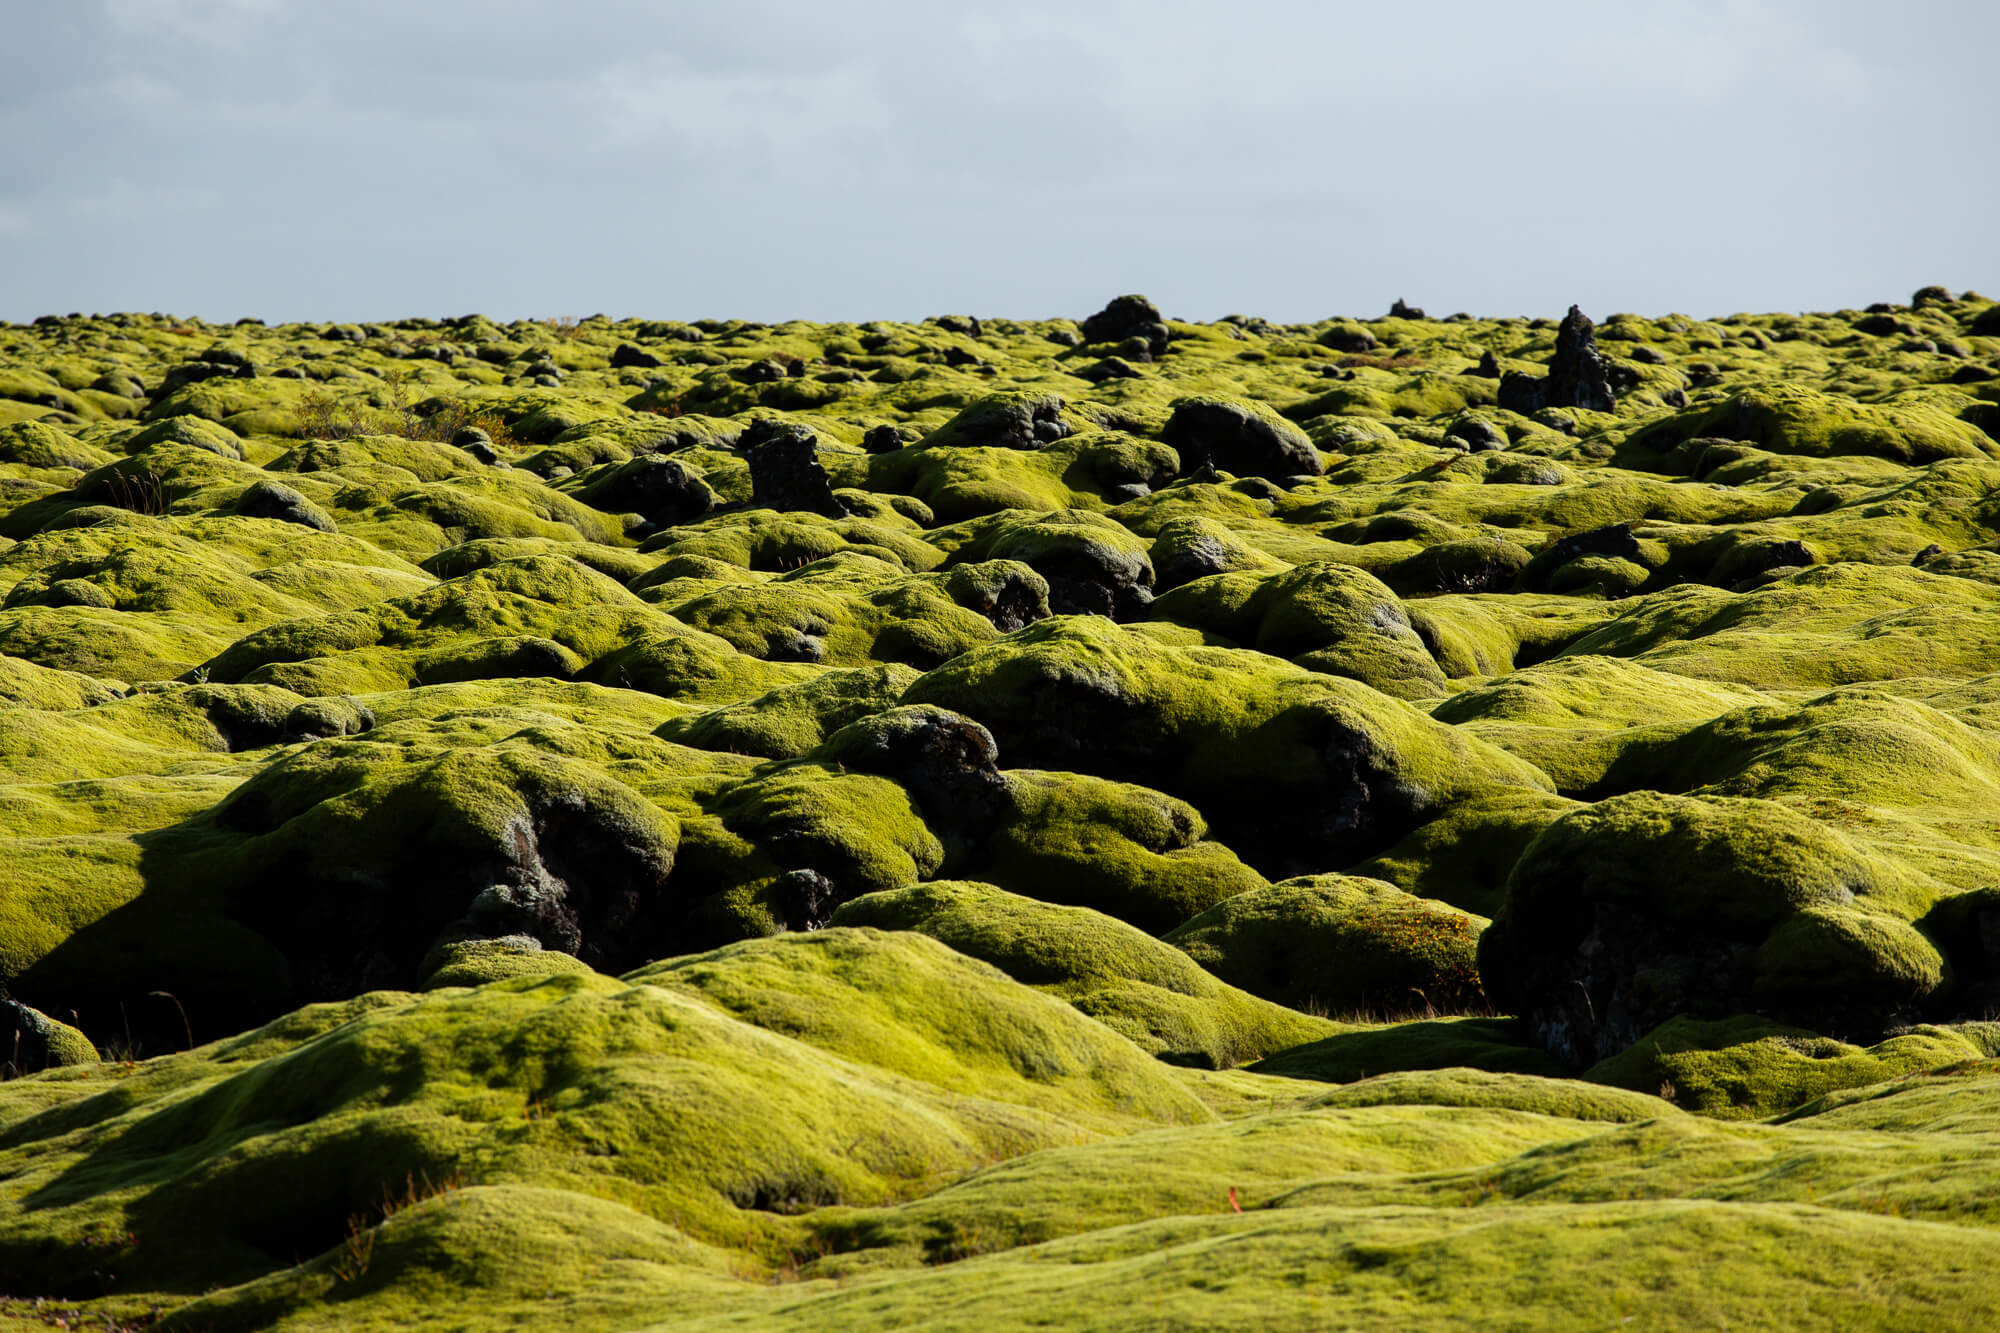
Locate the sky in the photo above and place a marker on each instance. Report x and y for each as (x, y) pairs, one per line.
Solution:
(894, 159)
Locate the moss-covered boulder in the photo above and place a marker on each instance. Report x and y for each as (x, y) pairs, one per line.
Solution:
(1004, 421)
(1623, 914)
(1144, 989)
(33, 1041)
(1093, 565)
(786, 722)
(476, 961)
(1195, 546)
(1340, 944)
(1796, 419)
(1324, 616)
(696, 1072)
(1239, 438)
(1287, 763)
(662, 491)
(337, 868)
(1125, 850)
(1751, 1068)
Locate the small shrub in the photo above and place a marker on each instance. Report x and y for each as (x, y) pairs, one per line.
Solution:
(324, 417)
(442, 421)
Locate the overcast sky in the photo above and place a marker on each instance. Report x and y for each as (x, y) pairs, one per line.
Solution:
(360, 159)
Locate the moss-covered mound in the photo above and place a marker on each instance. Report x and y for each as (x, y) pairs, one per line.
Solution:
(1098, 820)
(1340, 943)
(859, 1125)
(1136, 985)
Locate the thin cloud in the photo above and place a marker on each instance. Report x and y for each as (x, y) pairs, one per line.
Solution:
(219, 23)
(126, 201)
(798, 118)
(1735, 52)
(1286, 158)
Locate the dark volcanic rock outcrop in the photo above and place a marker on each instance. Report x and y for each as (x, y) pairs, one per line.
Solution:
(1238, 439)
(786, 474)
(1129, 319)
(663, 491)
(1579, 376)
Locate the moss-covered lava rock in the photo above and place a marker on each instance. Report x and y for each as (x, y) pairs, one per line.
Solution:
(638, 822)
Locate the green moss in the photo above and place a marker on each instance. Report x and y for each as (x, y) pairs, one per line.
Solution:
(1705, 718)
(1388, 396)
(1766, 1262)
(476, 962)
(1621, 914)
(1412, 1150)
(1830, 625)
(1248, 739)
(1144, 990)
(1747, 1068)
(1480, 636)
(1333, 943)
(187, 430)
(1464, 856)
(502, 1252)
(1092, 563)
(1515, 1092)
(29, 686)
(1481, 565)
(40, 448)
(846, 1023)
(1796, 419)
(1197, 545)
(790, 720)
(340, 864)
(1577, 716)
(35, 1042)
(1955, 1098)
(851, 610)
(141, 598)
(624, 566)
(1102, 1188)
(857, 829)
(1894, 774)
(761, 540)
(1124, 850)
(1325, 617)
(537, 615)
(1363, 1051)
(614, 487)
(962, 483)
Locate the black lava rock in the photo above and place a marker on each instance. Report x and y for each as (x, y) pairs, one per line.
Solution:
(1128, 317)
(1579, 376)
(1480, 436)
(1236, 439)
(785, 474)
(663, 491)
(1353, 341)
(627, 354)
